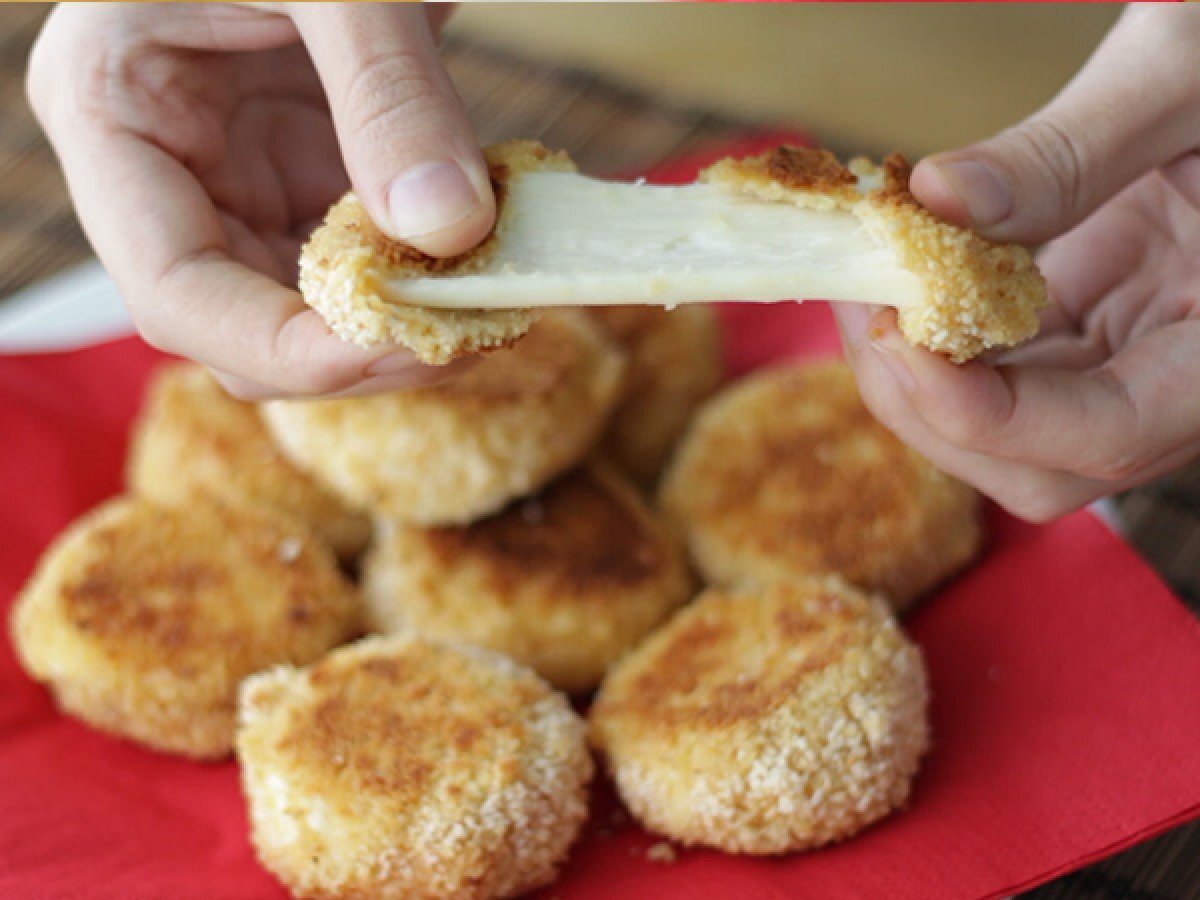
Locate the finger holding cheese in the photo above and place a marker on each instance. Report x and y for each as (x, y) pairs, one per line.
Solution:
(793, 223)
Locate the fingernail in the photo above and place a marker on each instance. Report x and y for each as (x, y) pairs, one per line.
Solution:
(429, 197)
(983, 190)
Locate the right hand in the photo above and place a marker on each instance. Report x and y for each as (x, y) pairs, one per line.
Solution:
(1104, 398)
(201, 144)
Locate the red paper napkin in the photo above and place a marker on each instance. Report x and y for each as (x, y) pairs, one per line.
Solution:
(1066, 683)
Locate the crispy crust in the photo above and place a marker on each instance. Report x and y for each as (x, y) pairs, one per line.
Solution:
(565, 581)
(143, 619)
(786, 473)
(345, 260)
(460, 450)
(787, 173)
(767, 720)
(674, 365)
(191, 437)
(979, 294)
(402, 767)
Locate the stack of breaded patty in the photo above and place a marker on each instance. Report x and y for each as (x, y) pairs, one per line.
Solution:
(382, 603)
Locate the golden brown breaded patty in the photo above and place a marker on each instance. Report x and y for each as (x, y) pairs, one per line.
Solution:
(786, 472)
(401, 767)
(347, 259)
(978, 294)
(460, 450)
(674, 364)
(767, 720)
(143, 619)
(565, 582)
(192, 436)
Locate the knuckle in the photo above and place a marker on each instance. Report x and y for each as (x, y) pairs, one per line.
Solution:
(1125, 446)
(388, 88)
(967, 425)
(1057, 154)
(74, 62)
(963, 428)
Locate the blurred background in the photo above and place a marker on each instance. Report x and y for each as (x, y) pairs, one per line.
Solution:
(913, 77)
(624, 86)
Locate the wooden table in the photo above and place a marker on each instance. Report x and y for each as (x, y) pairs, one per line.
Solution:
(613, 129)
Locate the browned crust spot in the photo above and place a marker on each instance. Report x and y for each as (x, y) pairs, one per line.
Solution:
(815, 174)
(587, 531)
(803, 168)
(691, 682)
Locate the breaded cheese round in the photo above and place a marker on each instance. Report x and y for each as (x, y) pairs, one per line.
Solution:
(349, 267)
(674, 365)
(786, 473)
(767, 720)
(460, 450)
(401, 767)
(565, 582)
(192, 436)
(143, 619)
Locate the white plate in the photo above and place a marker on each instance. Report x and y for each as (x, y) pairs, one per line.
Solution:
(79, 307)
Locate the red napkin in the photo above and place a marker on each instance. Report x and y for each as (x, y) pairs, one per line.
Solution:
(1066, 683)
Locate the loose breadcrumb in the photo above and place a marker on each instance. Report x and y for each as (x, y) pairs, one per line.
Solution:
(662, 852)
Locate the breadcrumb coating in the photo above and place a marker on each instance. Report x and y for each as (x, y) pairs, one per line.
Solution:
(565, 581)
(979, 294)
(347, 259)
(976, 294)
(767, 720)
(674, 365)
(143, 619)
(192, 437)
(402, 767)
(455, 452)
(787, 473)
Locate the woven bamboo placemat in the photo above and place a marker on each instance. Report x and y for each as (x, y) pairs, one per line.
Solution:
(606, 129)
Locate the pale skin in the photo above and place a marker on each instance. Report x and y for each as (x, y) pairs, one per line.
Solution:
(201, 144)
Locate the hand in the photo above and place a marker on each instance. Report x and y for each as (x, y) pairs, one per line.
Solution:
(202, 143)
(1108, 395)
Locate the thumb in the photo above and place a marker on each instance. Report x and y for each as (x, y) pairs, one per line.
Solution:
(1132, 108)
(405, 138)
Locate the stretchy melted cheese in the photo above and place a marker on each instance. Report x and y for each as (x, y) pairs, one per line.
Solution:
(790, 224)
